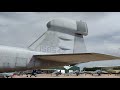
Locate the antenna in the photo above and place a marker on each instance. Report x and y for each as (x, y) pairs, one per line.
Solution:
(37, 39)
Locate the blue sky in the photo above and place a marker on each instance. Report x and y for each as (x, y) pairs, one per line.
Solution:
(103, 29)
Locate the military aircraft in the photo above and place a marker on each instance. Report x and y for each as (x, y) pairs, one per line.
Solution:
(7, 75)
(45, 51)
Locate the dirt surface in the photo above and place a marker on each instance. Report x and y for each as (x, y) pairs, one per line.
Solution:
(70, 76)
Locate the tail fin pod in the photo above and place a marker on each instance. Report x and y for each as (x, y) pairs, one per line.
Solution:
(79, 45)
(50, 40)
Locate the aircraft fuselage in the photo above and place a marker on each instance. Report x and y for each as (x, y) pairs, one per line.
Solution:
(12, 58)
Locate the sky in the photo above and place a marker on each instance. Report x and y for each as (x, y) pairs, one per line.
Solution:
(20, 29)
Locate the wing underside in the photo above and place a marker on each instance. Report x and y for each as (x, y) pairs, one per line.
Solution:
(75, 58)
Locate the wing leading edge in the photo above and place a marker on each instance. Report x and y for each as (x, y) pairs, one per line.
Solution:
(75, 58)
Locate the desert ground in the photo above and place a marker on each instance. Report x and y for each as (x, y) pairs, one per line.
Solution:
(70, 76)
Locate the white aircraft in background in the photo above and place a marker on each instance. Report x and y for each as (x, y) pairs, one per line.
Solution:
(7, 75)
(46, 52)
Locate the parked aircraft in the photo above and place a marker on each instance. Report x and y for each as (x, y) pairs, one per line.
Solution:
(98, 72)
(57, 72)
(45, 52)
(7, 75)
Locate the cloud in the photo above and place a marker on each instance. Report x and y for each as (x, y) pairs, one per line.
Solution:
(31, 24)
(20, 29)
(108, 63)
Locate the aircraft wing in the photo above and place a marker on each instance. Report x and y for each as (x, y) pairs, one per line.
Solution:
(75, 58)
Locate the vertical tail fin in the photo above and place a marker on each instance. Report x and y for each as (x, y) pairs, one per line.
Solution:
(79, 45)
(62, 36)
